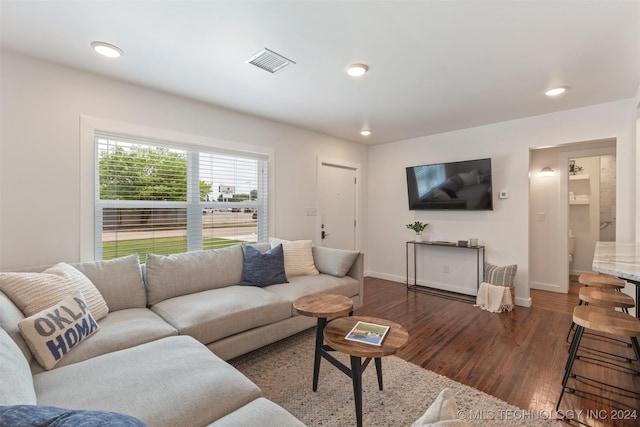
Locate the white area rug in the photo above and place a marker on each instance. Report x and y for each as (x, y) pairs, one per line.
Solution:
(284, 372)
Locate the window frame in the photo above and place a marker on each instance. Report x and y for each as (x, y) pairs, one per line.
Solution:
(90, 127)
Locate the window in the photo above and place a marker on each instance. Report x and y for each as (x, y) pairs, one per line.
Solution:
(156, 197)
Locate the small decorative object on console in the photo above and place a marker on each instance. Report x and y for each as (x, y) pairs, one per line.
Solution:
(463, 243)
(418, 227)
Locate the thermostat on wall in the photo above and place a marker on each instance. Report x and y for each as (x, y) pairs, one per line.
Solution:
(503, 194)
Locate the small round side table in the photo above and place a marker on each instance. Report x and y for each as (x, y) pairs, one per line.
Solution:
(323, 307)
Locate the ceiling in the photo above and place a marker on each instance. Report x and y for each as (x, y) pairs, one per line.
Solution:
(434, 66)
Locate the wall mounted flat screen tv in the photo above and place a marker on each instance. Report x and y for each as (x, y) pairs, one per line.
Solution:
(464, 185)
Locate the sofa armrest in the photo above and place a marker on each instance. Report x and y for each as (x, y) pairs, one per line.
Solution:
(357, 272)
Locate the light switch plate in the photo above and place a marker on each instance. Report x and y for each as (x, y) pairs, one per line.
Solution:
(504, 194)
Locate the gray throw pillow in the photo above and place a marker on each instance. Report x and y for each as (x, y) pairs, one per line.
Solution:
(263, 268)
(335, 262)
(500, 275)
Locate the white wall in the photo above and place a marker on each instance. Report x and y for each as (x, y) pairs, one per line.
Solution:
(40, 171)
(505, 230)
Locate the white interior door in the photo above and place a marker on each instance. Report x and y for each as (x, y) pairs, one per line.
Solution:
(337, 201)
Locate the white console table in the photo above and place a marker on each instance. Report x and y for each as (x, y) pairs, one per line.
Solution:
(480, 259)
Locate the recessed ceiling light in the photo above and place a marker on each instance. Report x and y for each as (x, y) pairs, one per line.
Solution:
(365, 132)
(556, 91)
(107, 49)
(357, 70)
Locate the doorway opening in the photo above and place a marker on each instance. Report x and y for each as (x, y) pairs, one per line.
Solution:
(567, 203)
(592, 208)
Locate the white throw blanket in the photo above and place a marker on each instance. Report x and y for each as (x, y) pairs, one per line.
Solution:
(495, 299)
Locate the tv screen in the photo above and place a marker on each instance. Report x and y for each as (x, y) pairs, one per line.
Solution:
(464, 185)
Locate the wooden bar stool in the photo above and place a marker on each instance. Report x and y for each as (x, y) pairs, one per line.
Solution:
(602, 320)
(601, 281)
(603, 297)
(606, 298)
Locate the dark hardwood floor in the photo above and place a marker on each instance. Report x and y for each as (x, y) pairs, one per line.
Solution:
(517, 356)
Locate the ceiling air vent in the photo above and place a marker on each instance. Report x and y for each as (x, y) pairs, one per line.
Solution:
(269, 61)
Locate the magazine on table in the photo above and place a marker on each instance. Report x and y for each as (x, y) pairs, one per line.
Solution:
(368, 333)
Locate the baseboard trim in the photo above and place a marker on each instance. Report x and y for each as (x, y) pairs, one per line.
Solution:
(546, 287)
(384, 276)
(444, 293)
(401, 280)
(523, 302)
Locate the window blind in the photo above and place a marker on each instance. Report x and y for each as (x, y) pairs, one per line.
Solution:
(167, 198)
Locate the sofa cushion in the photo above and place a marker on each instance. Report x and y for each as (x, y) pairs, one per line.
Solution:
(260, 412)
(336, 262)
(189, 272)
(120, 330)
(500, 275)
(263, 268)
(183, 394)
(322, 283)
(10, 315)
(298, 257)
(54, 332)
(16, 386)
(118, 280)
(263, 247)
(49, 416)
(33, 292)
(211, 315)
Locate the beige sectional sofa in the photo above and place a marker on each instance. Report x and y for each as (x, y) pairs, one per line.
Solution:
(159, 354)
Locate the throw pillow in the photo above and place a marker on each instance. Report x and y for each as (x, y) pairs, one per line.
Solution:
(263, 268)
(500, 275)
(298, 257)
(50, 416)
(54, 332)
(335, 262)
(33, 292)
(442, 412)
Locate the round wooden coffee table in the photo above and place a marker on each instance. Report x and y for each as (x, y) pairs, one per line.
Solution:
(335, 332)
(322, 306)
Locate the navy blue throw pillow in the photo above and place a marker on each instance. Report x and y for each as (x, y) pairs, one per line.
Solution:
(263, 268)
(49, 416)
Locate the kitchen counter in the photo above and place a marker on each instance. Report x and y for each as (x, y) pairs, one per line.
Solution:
(621, 260)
